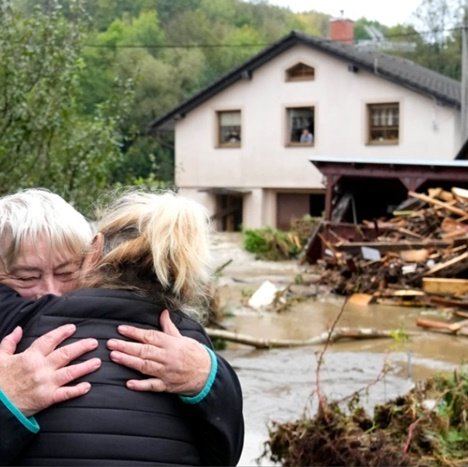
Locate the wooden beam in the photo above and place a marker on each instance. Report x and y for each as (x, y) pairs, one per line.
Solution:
(454, 265)
(445, 286)
(436, 202)
(393, 245)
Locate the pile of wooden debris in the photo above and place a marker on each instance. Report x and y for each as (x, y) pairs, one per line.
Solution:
(418, 257)
(428, 239)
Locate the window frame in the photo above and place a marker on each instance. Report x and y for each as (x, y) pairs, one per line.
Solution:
(234, 128)
(302, 75)
(290, 141)
(385, 129)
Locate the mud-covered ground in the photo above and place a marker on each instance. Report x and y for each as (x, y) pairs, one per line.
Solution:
(279, 384)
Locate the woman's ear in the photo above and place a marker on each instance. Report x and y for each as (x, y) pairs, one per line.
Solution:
(94, 254)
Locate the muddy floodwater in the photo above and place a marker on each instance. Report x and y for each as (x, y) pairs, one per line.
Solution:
(279, 384)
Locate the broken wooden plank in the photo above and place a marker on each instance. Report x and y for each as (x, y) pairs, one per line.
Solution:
(440, 194)
(415, 256)
(448, 302)
(445, 286)
(461, 327)
(431, 323)
(393, 245)
(458, 263)
(360, 299)
(453, 228)
(389, 227)
(331, 247)
(436, 202)
(404, 231)
(412, 302)
(406, 293)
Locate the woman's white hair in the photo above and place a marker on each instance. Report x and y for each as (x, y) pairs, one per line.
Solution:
(36, 212)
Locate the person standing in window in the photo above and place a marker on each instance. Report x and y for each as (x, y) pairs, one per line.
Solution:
(306, 136)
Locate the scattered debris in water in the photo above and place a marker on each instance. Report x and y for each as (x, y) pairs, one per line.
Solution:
(426, 427)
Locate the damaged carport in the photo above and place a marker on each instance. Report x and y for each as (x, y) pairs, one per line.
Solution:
(358, 189)
(361, 189)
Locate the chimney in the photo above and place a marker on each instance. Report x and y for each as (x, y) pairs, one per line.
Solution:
(342, 30)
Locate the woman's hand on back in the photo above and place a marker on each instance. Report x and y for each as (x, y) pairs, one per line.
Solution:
(174, 363)
(40, 376)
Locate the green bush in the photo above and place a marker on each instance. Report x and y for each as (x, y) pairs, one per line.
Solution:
(270, 244)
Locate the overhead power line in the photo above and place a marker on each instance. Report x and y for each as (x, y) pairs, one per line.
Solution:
(172, 46)
(214, 46)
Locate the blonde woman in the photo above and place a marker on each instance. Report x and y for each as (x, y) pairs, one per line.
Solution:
(151, 254)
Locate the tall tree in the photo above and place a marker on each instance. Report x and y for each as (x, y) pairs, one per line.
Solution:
(439, 41)
(45, 139)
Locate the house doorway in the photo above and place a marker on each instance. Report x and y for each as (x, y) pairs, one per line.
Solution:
(229, 212)
(293, 206)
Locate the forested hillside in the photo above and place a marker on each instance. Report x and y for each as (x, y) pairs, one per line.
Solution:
(81, 80)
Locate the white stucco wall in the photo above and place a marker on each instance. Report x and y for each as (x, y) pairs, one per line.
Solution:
(264, 163)
(427, 130)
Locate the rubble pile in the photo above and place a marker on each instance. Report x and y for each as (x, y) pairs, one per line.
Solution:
(426, 239)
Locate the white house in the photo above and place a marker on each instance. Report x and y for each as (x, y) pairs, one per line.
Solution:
(238, 147)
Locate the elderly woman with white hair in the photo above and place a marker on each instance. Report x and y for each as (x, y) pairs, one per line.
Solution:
(31, 221)
(150, 255)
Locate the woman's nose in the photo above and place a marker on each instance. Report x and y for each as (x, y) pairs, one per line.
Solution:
(49, 285)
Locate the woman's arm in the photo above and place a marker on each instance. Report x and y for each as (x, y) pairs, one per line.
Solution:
(15, 310)
(36, 378)
(14, 435)
(182, 365)
(220, 420)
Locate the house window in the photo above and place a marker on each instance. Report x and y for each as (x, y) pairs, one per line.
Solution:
(229, 128)
(301, 126)
(384, 123)
(300, 72)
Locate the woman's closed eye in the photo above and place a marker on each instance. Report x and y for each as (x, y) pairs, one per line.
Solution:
(26, 279)
(66, 275)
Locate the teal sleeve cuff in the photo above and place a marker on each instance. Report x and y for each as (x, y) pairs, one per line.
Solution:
(29, 423)
(209, 382)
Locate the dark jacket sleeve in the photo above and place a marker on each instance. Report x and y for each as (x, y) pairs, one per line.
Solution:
(220, 419)
(17, 311)
(14, 436)
(218, 416)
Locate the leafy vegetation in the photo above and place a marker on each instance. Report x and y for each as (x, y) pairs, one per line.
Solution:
(436, 35)
(426, 427)
(81, 80)
(273, 244)
(45, 137)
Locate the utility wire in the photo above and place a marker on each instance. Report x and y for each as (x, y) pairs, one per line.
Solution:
(171, 46)
(214, 46)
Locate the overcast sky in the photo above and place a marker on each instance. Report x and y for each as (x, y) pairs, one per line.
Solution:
(388, 12)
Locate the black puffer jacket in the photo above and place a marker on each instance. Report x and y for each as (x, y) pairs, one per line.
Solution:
(112, 425)
(14, 435)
